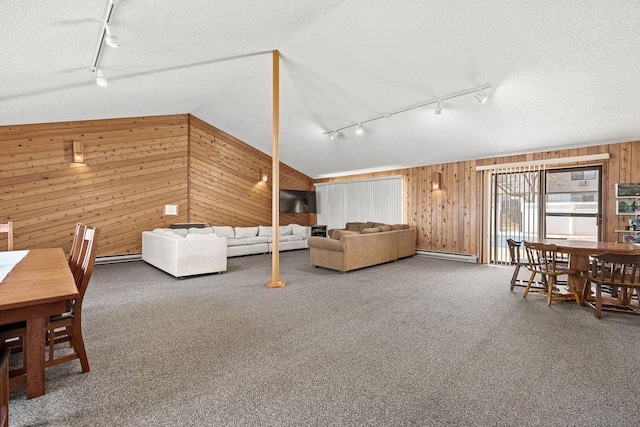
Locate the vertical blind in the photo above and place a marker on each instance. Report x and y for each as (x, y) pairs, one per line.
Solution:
(512, 208)
(376, 200)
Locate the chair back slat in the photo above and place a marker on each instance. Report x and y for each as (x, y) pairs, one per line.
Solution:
(8, 228)
(616, 269)
(76, 247)
(89, 247)
(541, 257)
(514, 250)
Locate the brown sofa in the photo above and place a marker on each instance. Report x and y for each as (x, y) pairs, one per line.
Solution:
(347, 249)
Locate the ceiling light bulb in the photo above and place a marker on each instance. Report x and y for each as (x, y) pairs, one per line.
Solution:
(334, 135)
(480, 97)
(100, 79)
(359, 129)
(439, 108)
(110, 39)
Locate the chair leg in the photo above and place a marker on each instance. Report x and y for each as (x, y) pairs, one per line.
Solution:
(78, 344)
(515, 276)
(598, 311)
(526, 289)
(550, 283)
(586, 292)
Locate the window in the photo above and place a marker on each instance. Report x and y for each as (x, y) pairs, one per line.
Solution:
(587, 175)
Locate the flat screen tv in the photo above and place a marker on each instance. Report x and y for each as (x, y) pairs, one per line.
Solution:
(297, 201)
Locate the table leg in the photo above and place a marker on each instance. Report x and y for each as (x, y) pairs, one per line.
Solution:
(35, 344)
(579, 263)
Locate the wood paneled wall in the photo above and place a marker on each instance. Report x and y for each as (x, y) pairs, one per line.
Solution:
(225, 186)
(133, 167)
(450, 220)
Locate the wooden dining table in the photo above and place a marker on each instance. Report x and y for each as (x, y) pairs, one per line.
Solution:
(35, 289)
(579, 252)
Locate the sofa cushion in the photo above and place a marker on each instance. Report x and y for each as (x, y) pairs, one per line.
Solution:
(399, 226)
(236, 242)
(370, 230)
(338, 233)
(169, 233)
(243, 232)
(256, 240)
(291, 238)
(200, 230)
(195, 236)
(181, 231)
(365, 225)
(265, 231)
(284, 230)
(378, 224)
(353, 226)
(224, 231)
(299, 230)
(384, 227)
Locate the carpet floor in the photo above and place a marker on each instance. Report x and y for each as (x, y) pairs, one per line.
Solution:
(415, 342)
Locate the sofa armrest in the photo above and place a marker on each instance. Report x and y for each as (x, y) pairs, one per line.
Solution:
(325, 243)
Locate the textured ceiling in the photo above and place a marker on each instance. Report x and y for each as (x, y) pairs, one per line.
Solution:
(564, 74)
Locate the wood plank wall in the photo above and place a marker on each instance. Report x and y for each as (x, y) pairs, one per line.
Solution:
(133, 167)
(450, 220)
(225, 186)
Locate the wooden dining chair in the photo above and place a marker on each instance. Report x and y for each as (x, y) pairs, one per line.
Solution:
(8, 228)
(544, 260)
(64, 327)
(619, 272)
(76, 247)
(67, 327)
(518, 261)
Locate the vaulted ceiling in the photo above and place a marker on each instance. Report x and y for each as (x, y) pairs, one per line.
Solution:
(563, 73)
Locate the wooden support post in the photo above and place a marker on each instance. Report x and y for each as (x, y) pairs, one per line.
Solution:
(275, 187)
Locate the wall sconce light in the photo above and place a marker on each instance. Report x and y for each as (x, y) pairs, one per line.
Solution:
(436, 181)
(78, 152)
(264, 175)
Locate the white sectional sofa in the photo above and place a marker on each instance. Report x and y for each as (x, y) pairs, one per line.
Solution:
(186, 252)
(259, 240)
(180, 253)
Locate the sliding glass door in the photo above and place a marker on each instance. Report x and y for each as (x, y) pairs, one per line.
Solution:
(529, 202)
(572, 203)
(515, 201)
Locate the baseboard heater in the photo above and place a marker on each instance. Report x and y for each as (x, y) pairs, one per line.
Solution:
(118, 258)
(448, 256)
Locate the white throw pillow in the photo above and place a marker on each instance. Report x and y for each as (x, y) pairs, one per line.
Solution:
(244, 232)
(265, 231)
(299, 230)
(224, 231)
(285, 230)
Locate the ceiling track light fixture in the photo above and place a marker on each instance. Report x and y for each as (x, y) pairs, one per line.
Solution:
(106, 37)
(100, 79)
(110, 39)
(359, 129)
(333, 133)
(482, 98)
